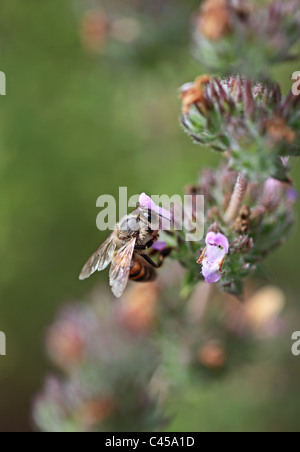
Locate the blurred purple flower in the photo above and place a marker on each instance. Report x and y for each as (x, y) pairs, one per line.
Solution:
(66, 338)
(271, 185)
(213, 257)
(292, 195)
(272, 192)
(159, 246)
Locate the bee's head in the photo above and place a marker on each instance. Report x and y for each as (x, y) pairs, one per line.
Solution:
(130, 225)
(140, 222)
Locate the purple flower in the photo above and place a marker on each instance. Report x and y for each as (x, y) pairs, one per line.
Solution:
(292, 195)
(213, 257)
(146, 201)
(271, 185)
(159, 246)
(272, 192)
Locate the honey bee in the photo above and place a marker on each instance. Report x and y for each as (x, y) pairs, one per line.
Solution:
(125, 250)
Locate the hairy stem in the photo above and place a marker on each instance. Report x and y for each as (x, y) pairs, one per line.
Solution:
(236, 198)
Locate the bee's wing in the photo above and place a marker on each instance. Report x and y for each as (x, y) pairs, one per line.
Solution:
(100, 259)
(120, 268)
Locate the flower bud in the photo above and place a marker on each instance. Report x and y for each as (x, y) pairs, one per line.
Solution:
(245, 36)
(250, 123)
(138, 309)
(212, 355)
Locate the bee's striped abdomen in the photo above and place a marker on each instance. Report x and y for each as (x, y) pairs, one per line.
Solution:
(141, 270)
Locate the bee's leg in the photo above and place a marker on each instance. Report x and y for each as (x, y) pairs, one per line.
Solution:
(163, 254)
(150, 261)
(161, 257)
(144, 247)
(153, 251)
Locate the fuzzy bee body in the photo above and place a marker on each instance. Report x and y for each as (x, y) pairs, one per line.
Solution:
(125, 250)
(141, 271)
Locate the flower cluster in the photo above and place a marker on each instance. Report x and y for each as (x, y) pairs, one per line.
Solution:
(121, 361)
(132, 31)
(251, 122)
(108, 363)
(245, 36)
(240, 233)
(246, 118)
(229, 328)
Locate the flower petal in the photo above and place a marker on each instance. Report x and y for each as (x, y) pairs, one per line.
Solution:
(215, 252)
(217, 240)
(146, 201)
(210, 276)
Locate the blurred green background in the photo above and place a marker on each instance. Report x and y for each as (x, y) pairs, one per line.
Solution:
(74, 126)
